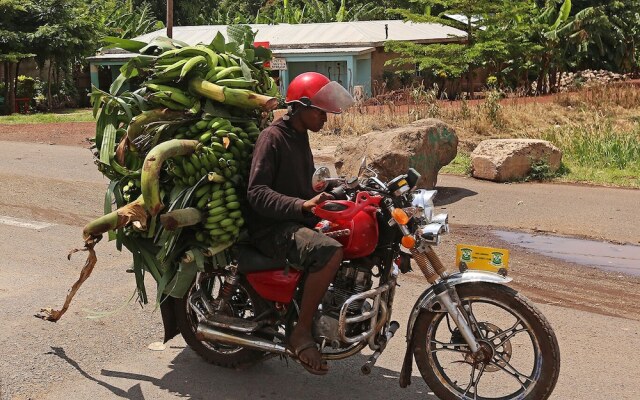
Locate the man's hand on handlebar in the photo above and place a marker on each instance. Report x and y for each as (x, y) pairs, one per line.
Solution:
(320, 198)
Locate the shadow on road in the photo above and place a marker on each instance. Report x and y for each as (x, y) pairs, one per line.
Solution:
(134, 392)
(449, 195)
(192, 378)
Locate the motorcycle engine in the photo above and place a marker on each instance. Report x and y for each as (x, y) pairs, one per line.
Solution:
(352, 278)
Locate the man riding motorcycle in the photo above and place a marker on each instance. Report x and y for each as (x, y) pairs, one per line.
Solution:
(281, 197)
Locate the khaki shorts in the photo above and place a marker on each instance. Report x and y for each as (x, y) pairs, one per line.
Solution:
(296, 245)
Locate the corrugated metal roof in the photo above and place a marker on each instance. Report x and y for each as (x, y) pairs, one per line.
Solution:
(330, 50)
(331, 34)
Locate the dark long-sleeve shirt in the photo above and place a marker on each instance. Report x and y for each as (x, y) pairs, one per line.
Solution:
(280, 178)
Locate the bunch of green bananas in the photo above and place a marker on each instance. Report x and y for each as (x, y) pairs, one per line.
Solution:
(181, 144)
(224, 158)
(221, 204)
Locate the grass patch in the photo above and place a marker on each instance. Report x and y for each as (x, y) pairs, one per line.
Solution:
(461, 165)
(628, 177)
(70, 115)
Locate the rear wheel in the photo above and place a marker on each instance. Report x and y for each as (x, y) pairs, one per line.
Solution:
(519, 358)
(244, 303)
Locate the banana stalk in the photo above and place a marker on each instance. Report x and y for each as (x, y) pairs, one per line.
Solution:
(139, 122)
(151, 170)
(233, 97)
(92, 233)
(180, 218)
(133, 212)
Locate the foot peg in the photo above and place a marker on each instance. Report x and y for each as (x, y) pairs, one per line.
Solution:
(366, 368)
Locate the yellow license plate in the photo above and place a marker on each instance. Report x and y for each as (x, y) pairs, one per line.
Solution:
(482, 258)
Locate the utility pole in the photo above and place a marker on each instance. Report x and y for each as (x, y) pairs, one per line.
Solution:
(169, 18)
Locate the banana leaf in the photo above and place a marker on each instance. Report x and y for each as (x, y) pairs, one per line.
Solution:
(125, 44)
(218, 43)
(182, 280)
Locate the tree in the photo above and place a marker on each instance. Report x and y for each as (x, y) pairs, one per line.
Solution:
(14, 28)
(67, 31)
(125, 20)
(315, 11)
(491, 29)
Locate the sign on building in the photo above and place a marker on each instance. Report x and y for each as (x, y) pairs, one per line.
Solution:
(279, 64)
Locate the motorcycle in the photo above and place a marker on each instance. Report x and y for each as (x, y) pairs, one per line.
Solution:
(465, 327)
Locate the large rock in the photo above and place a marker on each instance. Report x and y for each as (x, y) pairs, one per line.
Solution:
(503, 160)
(425, 145)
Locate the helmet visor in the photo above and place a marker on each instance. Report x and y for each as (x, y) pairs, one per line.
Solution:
(332, 98)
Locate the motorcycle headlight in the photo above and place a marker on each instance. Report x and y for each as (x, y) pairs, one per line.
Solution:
(423, 201)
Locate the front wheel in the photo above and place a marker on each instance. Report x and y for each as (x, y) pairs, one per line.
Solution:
(519, 356)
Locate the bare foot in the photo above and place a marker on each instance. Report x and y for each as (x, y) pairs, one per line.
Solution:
(303, 345)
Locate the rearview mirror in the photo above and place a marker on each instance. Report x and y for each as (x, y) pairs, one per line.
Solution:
(319, 179)
(363, 166)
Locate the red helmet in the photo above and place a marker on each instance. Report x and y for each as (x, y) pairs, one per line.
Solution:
(316, 90)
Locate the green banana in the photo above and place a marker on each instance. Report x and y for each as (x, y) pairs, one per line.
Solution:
(204, 161)
(201, 125)
(233, 205)
(205, 137)
(176, 66)
(202, 202)
(213, 204)
(224, 73)
(188, 168)
(195, 161)
(240, 83)
(202, 190)
(177, 171)
(218, 194)
(235, 214)
(213, 72)
(216, 218)
(218, 147)
(190, 64)
(227, 222)
(190, 51)
(222, 133)
(232, 229)
(217, 210)
(226, 61)
(167, 102)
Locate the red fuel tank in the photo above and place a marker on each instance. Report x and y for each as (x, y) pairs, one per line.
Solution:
(274, 285)
(358, 218)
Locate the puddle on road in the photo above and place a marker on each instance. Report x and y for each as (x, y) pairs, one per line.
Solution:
(603, 255)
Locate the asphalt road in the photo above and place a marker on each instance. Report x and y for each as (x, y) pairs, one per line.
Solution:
(108, 358)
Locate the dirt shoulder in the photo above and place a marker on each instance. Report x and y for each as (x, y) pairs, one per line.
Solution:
(68, 133)
(551, 281)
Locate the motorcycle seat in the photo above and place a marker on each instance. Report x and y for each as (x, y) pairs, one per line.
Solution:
(251, 259)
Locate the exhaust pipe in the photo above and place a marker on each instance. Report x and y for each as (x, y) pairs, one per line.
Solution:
(208, 332)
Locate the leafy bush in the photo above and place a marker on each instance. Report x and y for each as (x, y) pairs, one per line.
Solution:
(26, 87)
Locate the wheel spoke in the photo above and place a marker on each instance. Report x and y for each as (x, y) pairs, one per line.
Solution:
(473, 382)
(509, 333)
(514, 372)
(448, 347)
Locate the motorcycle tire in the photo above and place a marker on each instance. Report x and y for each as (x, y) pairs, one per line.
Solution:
(215, 353)
(502, 339)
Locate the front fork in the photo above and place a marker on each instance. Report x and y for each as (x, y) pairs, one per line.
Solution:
(433, 269)
(448, 297)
